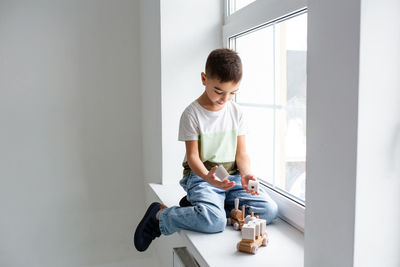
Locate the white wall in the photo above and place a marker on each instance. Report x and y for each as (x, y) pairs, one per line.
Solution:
(353, 128)
(70, 140)
(190, 30)
(377, 225)
(332, 99)
(150, 84)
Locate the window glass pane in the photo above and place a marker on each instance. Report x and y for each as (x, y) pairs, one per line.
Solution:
(235, 5)
(290, 151)
(291, 96)
(256, 50)
(260, 140)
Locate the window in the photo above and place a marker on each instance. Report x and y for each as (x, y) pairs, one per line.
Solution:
(273, 97)
(235, 5)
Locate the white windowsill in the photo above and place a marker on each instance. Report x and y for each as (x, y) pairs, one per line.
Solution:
(285, 248)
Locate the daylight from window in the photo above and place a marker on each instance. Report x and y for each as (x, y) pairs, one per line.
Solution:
(273, 97)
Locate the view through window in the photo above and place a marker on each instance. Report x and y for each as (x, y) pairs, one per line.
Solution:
(273, 97)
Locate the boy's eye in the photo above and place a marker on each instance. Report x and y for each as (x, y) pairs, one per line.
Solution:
(218, 93)
(233, 93)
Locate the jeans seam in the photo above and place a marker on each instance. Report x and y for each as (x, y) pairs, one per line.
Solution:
(161, 224)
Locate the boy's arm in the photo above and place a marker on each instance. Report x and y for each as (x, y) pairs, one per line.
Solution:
(243, 163)
(197, 166)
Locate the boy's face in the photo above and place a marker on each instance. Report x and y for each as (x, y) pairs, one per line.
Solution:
(219, 93)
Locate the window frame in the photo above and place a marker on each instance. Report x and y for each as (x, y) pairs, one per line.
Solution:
(246, 19)
(230, 7)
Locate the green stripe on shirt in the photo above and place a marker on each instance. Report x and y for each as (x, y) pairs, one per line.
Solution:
(218, 147)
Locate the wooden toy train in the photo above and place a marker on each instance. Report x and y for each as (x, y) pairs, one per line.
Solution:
(254, 229)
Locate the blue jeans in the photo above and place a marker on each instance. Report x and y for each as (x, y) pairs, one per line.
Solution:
(212, 205)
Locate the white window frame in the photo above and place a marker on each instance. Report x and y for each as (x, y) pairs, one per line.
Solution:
(255, 14)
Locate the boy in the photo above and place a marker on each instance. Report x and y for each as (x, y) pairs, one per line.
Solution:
(213, 130)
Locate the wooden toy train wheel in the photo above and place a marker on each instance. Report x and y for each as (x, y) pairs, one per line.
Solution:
(265, 242)
(254, 249)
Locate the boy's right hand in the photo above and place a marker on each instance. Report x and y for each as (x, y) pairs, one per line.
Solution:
(213, 180)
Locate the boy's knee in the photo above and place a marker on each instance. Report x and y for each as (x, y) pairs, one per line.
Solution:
(267, 210)
(218, 224)
(213, 220)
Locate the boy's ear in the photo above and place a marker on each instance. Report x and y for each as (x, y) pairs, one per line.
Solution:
(203, 78)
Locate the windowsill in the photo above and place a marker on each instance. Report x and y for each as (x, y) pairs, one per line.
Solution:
(285, 248)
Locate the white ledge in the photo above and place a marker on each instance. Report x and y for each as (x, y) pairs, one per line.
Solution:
(285, 248)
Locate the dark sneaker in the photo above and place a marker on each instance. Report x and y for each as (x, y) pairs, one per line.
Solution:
(185, 202)
(148, 228)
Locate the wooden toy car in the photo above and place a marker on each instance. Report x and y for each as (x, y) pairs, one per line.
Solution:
(236, 216)
(254, 235)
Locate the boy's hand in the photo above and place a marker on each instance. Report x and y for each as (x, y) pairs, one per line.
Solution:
(212, 179)
(245, 183)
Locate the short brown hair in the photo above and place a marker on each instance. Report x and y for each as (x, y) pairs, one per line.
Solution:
(225, 65)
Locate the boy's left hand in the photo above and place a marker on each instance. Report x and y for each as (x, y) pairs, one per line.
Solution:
(245, 183)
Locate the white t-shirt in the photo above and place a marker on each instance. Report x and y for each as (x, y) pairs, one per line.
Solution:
(216, 132)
